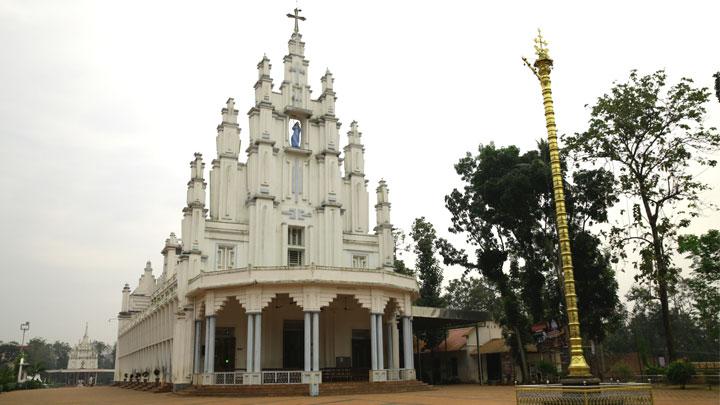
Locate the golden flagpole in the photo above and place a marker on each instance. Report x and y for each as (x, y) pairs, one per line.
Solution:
(541, 68)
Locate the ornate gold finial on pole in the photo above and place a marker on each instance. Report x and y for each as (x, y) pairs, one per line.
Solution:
(541, 68)
(541, 46)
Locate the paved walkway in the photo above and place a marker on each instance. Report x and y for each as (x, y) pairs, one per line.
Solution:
(445, 395)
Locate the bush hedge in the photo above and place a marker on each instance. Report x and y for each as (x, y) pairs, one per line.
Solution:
(680, 372)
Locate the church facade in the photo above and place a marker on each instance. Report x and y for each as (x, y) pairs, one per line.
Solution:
(277, 276)
(83, 355)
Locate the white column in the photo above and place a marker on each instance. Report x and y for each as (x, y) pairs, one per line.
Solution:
(380, 353)
(249, 344)
(308, 342)
(206, 364)
(182, 348)
(394, 333)
(373, 341)
(390, 345)
(316, 341)
(284, 247)
(408, 348)
(257, 343)
(198, 332)
(211, 343)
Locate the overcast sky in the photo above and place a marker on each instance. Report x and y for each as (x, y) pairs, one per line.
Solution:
(102, 105)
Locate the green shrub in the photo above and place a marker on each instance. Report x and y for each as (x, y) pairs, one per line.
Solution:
(621, 371)
(655, 370)
(547, 369)
(680, 372)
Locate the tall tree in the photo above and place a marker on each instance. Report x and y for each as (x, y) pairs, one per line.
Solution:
(40, 353)
(505, 210)
(61, 350)
(430, 274)
(9, 352)
(400, 246)
(704, 282)
(102, 349)
(497, 211)
(474, 294)
(642, 330)
(426, 263)
(652, 136)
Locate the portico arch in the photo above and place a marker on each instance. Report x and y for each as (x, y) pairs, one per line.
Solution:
(344, 339)
(282, 349)
(219, 337)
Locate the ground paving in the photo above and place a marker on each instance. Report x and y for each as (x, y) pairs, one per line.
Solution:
(445, 395)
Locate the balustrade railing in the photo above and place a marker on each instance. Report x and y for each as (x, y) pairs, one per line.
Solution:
(282, 377)
(227, 378)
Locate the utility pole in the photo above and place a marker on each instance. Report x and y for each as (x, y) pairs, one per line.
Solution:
(24, 327)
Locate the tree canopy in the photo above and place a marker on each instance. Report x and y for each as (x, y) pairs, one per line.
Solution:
(505, 211)
(474, 294)
(704, 281)
(426, 264)
(653, 136)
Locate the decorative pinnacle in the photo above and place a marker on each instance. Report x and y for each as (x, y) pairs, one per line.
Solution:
(541, 46)
(297, 17)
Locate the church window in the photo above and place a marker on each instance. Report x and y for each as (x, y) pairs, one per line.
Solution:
(295, 236)
(359, 261)
(296, 246)
(225, 258)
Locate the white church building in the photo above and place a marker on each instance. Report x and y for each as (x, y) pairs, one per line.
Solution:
(277, 277)
(83, 355)
(82, 367)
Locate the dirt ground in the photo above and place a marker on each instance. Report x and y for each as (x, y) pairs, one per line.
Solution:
(446, 395)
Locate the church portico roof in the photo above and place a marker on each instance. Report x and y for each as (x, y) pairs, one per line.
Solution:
(300, 275)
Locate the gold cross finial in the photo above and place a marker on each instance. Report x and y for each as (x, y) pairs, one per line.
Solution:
(297, 17)
(541, 46)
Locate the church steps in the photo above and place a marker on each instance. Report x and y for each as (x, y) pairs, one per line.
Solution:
(327, 389)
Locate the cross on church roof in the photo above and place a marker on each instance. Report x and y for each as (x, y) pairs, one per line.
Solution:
(297, 17)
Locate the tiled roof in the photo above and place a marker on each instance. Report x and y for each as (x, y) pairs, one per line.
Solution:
(498, 346)
(456, 340)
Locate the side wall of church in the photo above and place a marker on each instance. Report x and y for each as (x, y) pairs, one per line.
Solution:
(145, 341)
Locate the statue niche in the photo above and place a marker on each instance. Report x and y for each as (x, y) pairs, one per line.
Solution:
(296, 135)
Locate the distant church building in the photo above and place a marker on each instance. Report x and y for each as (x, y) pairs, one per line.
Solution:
(83, 355)
(82, 367)
(279, 277)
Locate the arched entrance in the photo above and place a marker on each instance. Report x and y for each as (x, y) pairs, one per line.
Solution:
(346, 340)
(283, 349)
